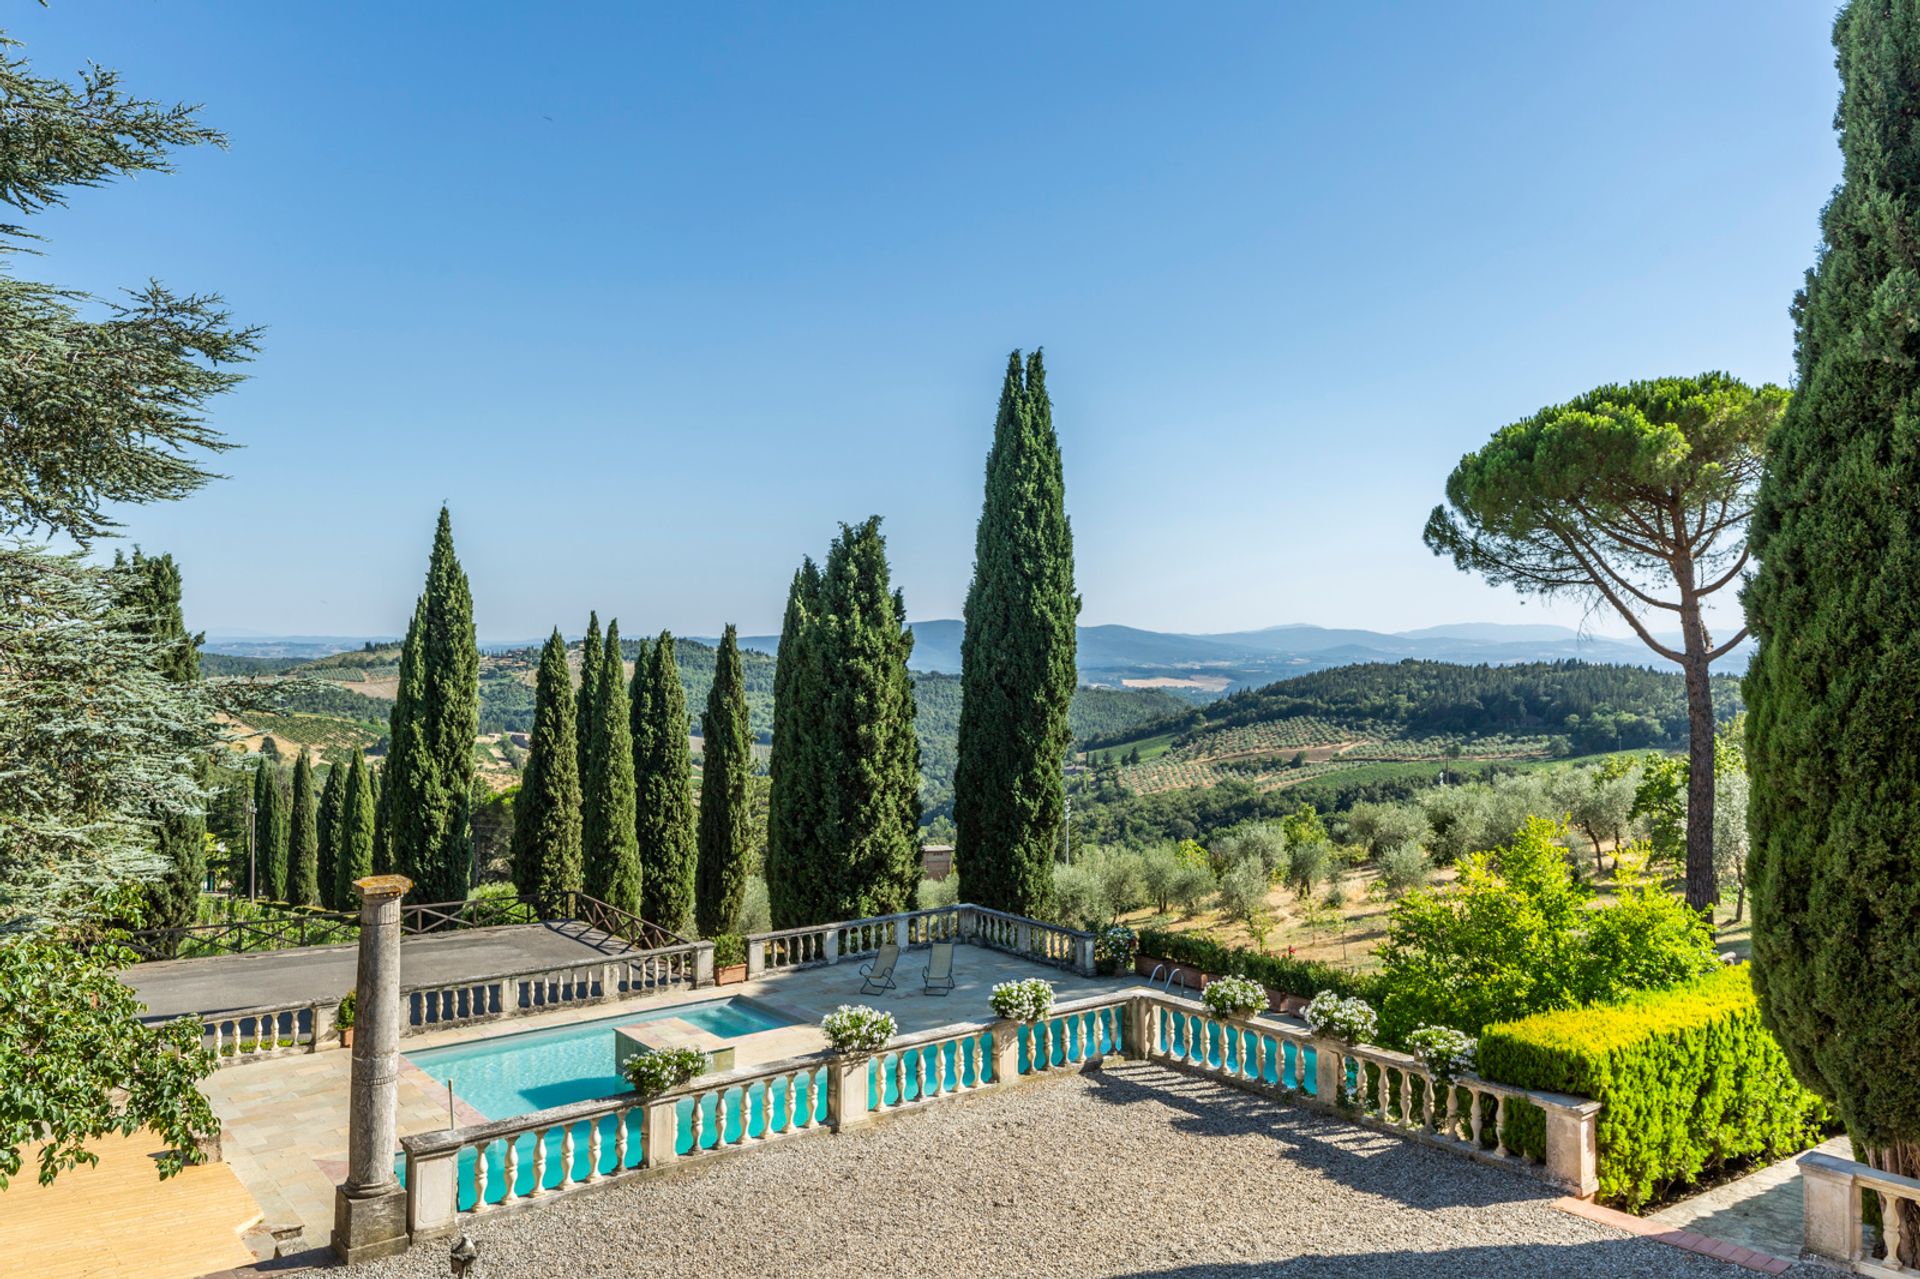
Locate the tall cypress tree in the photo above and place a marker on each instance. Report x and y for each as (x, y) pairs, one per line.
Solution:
(357, 820)
(333, 798)
(270, 832)
(726, 746)
(1834, 765)
(1017, 660)
(382, 861)
(436, 716)
(150, 594)
(850, 791)
(793, 887)
(665, 779)
(613, 870)
(546, 816)
(639, 721)
(303, 846)
(591, 653)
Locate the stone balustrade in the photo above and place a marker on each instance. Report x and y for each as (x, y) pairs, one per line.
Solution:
(489, 1167)
(1835, 1226)
(819, 944)
(255, 1034)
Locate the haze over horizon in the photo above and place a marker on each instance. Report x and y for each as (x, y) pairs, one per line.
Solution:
(659, 316)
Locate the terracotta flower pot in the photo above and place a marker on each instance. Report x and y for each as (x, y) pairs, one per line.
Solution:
(731, 975)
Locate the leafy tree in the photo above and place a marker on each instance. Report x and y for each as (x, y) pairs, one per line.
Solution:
(1660, 801)
(1403, 868)
(668, 852)
(1379, 827)
(794, 886)
(547, 854)
(612, 868)
(1303, 826)
(1017, 659)
(1730, 843)
(592, 650)
(271, 828)
(1831, 691)
(331, 831)
(1598, 801)
(1634, 496)
(303, 844)
(436, 713)
(726, 761)
(357, 821)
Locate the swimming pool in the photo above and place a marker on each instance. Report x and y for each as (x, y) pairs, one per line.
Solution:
(511, 1075)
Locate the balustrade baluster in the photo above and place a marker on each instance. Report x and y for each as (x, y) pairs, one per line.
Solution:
(694, 1149)
(620, 1139)
(719, 1118)
(539, 1163)
(1499, 1129)
(1891, 1232)
(566, 1155)
(1476, 1119)
(1453, 1112)
(593, 1151)
(480, 1203)
(790, 1090)
(512, 1190)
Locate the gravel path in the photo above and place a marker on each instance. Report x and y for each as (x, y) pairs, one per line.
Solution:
(1135, 1171)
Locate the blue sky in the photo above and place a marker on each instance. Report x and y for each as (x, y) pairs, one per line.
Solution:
(655, 295)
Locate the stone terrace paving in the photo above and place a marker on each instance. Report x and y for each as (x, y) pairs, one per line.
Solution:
(1133, 1170)
(285, 1120)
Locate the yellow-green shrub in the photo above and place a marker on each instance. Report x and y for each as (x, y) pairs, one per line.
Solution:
(1689, 1078)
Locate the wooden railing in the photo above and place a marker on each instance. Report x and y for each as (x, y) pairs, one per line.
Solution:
(492, 1166)
(1836, 1223)
(858, 938)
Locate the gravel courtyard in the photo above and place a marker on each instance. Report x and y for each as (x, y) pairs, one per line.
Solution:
(1135, 1170)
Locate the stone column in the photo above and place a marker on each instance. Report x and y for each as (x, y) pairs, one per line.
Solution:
(1329, 1072)
(1573, 1158)
(1139, 1019)
(1006, 1053)
(370, 1210)
(1831, 1224)
(703, 964)
(849, 1091)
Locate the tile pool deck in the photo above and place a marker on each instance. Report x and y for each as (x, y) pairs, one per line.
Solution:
(286, 1119)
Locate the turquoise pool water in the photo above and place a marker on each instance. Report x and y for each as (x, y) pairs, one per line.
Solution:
(511, 1075)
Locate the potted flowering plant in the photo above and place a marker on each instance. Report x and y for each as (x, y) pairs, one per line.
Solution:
(1445, 1052)
(855, 1029)
(658, 1070)
(1351, 1019)
(343, 1018)
(1028, 1000)
(1114, 949)
(1227, 997)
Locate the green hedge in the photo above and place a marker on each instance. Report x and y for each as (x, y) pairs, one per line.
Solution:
(1303, 977)
(1689, 1077)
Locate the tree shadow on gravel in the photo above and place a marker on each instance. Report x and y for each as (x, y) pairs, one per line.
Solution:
(1603, 1260)
(1360, 1158)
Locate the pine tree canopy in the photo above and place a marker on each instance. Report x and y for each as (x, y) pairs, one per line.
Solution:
(613, 869)
(546, 816)
(1018, 660)
(1832, 692)
(303, 849)
(435, 718)
(665, 778)
(726, 763)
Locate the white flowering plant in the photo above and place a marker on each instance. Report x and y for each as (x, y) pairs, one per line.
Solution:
(1028, 1000)
(1113, 950)
(656, 1070)
(1444, 1051)
(856, 1028)
(1349, 1018)
(1234, 996)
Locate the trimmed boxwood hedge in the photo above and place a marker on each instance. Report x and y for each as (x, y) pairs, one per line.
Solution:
(1689, 1077)
(1303, 977)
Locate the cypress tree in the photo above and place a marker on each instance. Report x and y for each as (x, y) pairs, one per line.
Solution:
(1834, 766)
(436, 716)
(793, 889)
(333, 798)
(150, 593)
(613, 870)
(640, 724)
(357, 819)
(1017, 661)
(382, 862)
(303, 847)
(726, 761)
(665, 779)
(591, 652)
(270, 832)
(546, 816)
(850, 803)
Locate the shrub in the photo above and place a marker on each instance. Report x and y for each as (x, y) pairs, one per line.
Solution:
(1234, 996)
(1689, 1079)
(656, 1070)
(343, 1014)
(491, 905)
(1114, 950)
(1342, 1017)
(1027, 1000)
(1300, 977)
(1445, 1052)
(856, 1028)
(729, 949)
(937, 893)
(1403, 868)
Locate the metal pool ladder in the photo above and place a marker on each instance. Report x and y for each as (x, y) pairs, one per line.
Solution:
(1173, 974)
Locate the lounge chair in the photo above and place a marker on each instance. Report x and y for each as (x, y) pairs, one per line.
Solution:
(878, 971)
(940, 968)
